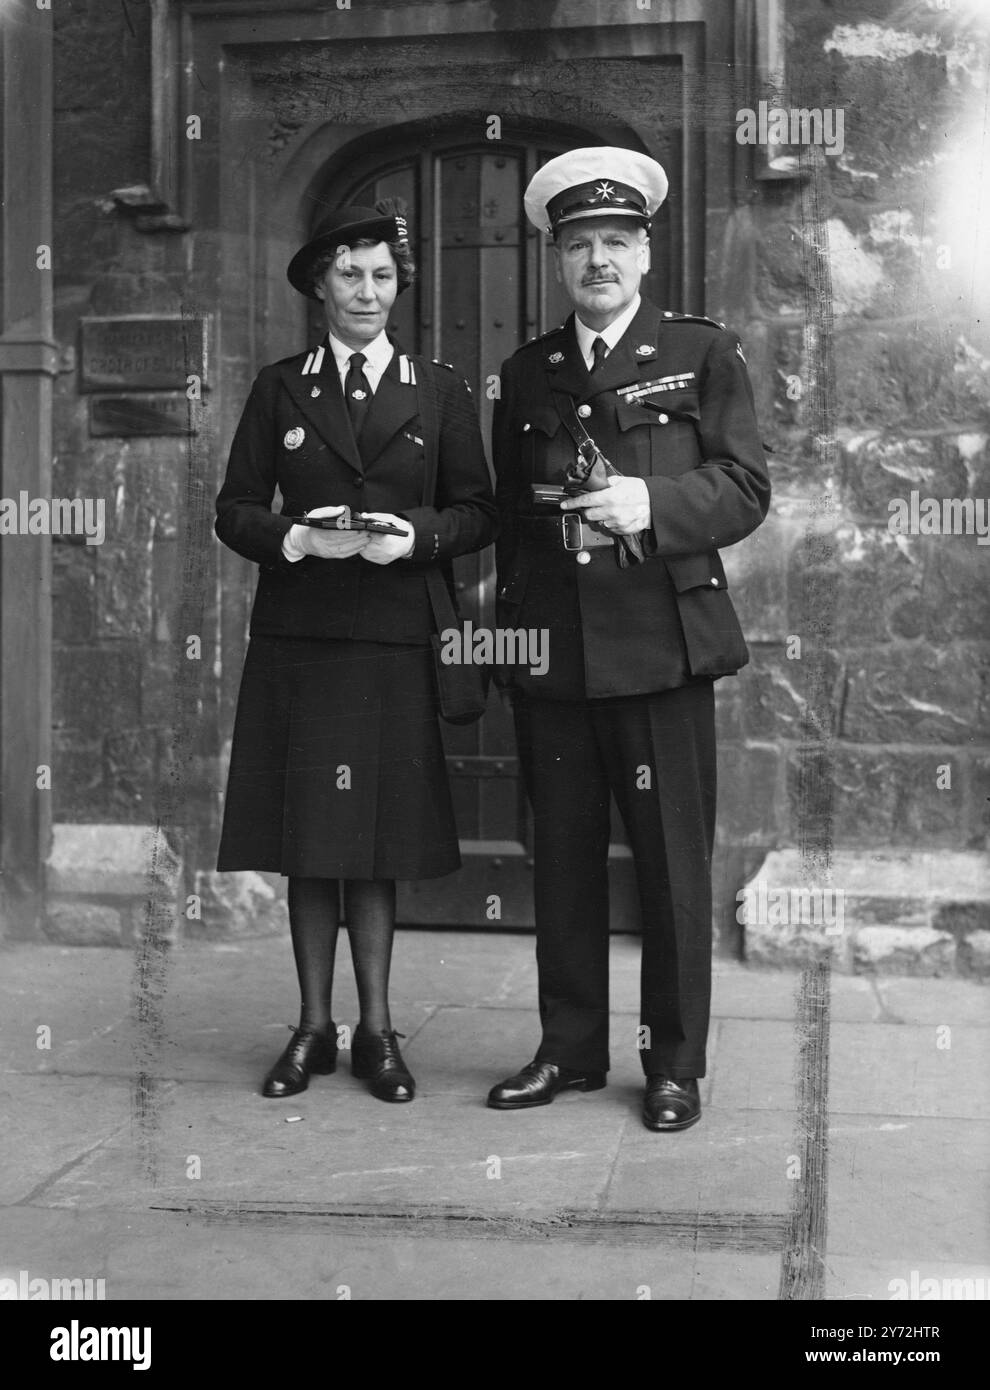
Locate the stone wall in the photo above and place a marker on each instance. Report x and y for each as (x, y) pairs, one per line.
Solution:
(114, 604)
(874, 737)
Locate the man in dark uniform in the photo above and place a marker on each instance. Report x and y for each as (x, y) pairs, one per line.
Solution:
(626, 578)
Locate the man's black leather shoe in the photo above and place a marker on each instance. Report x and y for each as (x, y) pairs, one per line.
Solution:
(309, 1051)
(538, 1083)
(375, 1058)
(671, 1104)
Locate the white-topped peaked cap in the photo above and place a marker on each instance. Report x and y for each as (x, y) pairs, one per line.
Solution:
(597, 181)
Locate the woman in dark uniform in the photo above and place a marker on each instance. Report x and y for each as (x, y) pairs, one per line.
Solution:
(337, 777)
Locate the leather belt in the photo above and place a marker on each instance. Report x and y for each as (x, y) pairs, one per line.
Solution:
(572, 531)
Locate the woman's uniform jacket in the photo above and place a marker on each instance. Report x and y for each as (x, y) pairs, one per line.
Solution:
(295, 436)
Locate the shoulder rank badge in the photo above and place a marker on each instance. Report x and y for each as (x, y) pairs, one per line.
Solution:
(294, 437)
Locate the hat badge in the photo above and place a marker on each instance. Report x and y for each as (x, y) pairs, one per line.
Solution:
(603, 191)
(294, 437)
(556, 357)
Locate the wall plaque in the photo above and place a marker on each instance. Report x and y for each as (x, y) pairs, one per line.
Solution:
(141, 354)
(142, 414)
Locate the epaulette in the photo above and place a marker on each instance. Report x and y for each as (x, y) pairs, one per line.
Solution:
(451, 368)
(539, 338)
(672, 317)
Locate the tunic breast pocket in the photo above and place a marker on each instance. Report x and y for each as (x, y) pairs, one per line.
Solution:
(544, 456)
(666, 426)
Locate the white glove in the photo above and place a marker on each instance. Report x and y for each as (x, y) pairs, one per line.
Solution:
(382, 550)
(325, 545)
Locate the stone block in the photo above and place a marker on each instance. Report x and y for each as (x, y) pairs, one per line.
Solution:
(123, 585)
(974, 955)
(94, 688)
(878, 468)
(78, 789)
(749, 793)
(903, 951)
(877, 581)
(131, 772)
(976, 780)
(79, 923)
(848, 795)
(728, 708)
(165, 589)
(882, 910)
(112, 861)
(792, 947)
(955, 598)
(792, 700)
(237, 905)
(757, 573)
(73, 592)
(159, 661)
(915, 694)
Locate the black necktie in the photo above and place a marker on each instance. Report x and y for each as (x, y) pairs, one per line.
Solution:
(357, 392)
(600, 352)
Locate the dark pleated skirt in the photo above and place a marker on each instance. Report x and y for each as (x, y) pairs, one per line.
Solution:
(337, 766)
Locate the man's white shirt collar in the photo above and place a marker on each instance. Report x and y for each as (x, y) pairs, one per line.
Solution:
(377, 355)
(610, 335)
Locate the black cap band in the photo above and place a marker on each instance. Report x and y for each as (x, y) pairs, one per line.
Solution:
(603, 196)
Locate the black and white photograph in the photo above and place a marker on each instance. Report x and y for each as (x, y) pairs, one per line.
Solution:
(494, 654)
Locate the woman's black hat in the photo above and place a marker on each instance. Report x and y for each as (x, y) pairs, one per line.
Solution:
(345, 227)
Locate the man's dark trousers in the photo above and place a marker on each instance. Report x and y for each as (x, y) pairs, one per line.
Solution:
(656, 754)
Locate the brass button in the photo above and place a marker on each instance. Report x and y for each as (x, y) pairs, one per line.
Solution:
(583, 558)
(663, 418)
(527, 426)
(715, 582)
(584, 411)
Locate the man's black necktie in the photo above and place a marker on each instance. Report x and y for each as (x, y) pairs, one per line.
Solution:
(357, 392)
(600, 352)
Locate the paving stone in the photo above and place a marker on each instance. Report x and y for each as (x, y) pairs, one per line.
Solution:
(51, 1122)
(902, 1070)
(904, 951)
(731, 1161)
(954, 1002)
(878, 1279)
(745, 991)
(349, 1147)
(915, 1188)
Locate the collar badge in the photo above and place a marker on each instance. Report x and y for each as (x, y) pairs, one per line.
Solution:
(644, 349)
(556, 357)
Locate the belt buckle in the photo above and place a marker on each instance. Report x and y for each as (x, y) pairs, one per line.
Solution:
(572, 520)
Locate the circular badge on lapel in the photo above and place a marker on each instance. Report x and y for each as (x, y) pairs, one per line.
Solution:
(294, 437)
(556, 357)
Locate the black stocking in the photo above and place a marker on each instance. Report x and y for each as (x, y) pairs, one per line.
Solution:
(369, 910)
(314, 916)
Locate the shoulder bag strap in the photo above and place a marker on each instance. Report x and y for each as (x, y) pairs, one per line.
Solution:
(444, 613)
